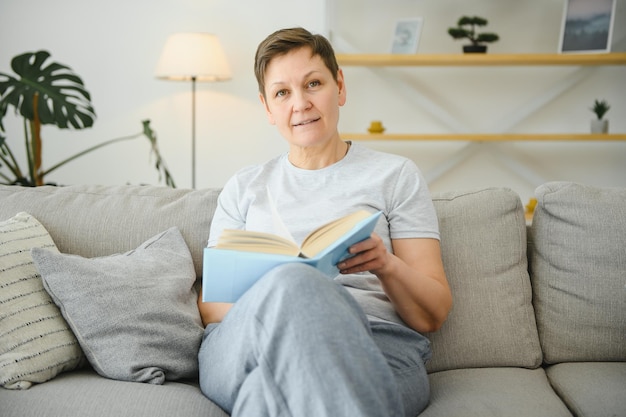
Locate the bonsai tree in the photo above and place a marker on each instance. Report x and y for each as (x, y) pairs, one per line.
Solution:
(600, 107)
(466, 28)
(50, 93)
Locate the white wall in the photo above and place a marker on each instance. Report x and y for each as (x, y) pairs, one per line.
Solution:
(114, 46)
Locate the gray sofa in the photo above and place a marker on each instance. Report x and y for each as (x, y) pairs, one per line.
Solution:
(538, 326)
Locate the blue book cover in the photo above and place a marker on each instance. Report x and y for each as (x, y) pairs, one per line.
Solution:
(228, 273)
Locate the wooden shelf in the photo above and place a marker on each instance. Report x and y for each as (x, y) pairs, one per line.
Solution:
(395, 60)
(487, 137)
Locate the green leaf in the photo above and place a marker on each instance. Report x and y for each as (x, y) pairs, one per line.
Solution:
(475, 20)
(63, 99)
(487, 37)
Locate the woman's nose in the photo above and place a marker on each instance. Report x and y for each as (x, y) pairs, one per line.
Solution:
(301, 101)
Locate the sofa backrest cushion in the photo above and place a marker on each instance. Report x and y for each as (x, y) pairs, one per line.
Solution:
(95, 220)
(578, 269)
(492, 322)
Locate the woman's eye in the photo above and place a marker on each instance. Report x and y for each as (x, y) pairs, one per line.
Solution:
(314, 84)
(281, 93)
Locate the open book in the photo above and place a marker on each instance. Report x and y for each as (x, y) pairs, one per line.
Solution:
(241, 257)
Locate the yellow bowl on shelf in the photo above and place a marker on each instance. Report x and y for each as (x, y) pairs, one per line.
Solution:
(376, 127)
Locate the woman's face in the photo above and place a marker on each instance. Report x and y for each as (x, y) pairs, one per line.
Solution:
(302, 98)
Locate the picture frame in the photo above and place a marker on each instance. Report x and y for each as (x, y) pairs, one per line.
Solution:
(406, 35)
(587, 26)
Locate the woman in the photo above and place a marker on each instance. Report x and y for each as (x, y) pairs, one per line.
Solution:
(297, 343)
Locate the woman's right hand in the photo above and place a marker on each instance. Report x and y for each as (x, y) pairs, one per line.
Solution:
(212, 312)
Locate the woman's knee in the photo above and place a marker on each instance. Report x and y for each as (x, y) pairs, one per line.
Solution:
(296, 280)
(300, 288)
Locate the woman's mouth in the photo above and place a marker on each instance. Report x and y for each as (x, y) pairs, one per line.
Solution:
(305, 122)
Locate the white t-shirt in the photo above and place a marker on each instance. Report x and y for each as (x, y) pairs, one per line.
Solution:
(306, 199)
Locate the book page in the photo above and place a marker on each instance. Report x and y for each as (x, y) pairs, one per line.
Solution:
(250, 241)
(325, 235)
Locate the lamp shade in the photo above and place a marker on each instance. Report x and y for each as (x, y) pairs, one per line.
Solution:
(188, 56)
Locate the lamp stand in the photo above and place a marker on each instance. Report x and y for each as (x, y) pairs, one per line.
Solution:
(197, 56)
(193, 133)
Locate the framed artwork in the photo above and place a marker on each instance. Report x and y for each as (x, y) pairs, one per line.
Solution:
(587, 26)
(406, 36)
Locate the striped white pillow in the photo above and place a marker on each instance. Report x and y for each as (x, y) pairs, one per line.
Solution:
(36, 344)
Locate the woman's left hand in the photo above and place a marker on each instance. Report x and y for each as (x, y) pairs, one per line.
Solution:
(368, 255)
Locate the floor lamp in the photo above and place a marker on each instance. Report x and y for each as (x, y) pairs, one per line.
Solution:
(195, 57)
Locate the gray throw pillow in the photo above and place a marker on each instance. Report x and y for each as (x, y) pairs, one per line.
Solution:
(36, 344)
(578, 270)
(134, 314)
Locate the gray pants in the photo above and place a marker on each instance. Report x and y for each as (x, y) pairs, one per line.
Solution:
(297, 344)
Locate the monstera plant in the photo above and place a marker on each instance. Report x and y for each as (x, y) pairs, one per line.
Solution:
(43, 93)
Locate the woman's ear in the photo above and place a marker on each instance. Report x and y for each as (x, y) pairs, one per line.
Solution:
(270, 118)
(342, 87)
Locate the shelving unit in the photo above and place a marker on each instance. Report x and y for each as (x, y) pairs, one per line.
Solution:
(466, 60)
(475, 142)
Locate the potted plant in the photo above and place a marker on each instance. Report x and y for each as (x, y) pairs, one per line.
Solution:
(50, 93)
(466, 28)
(600, 125)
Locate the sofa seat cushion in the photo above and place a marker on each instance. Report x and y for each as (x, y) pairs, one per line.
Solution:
(578, 269)
(84, 393)
(135, 314)
(591, 389)
(483, 243)
(497, 392)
